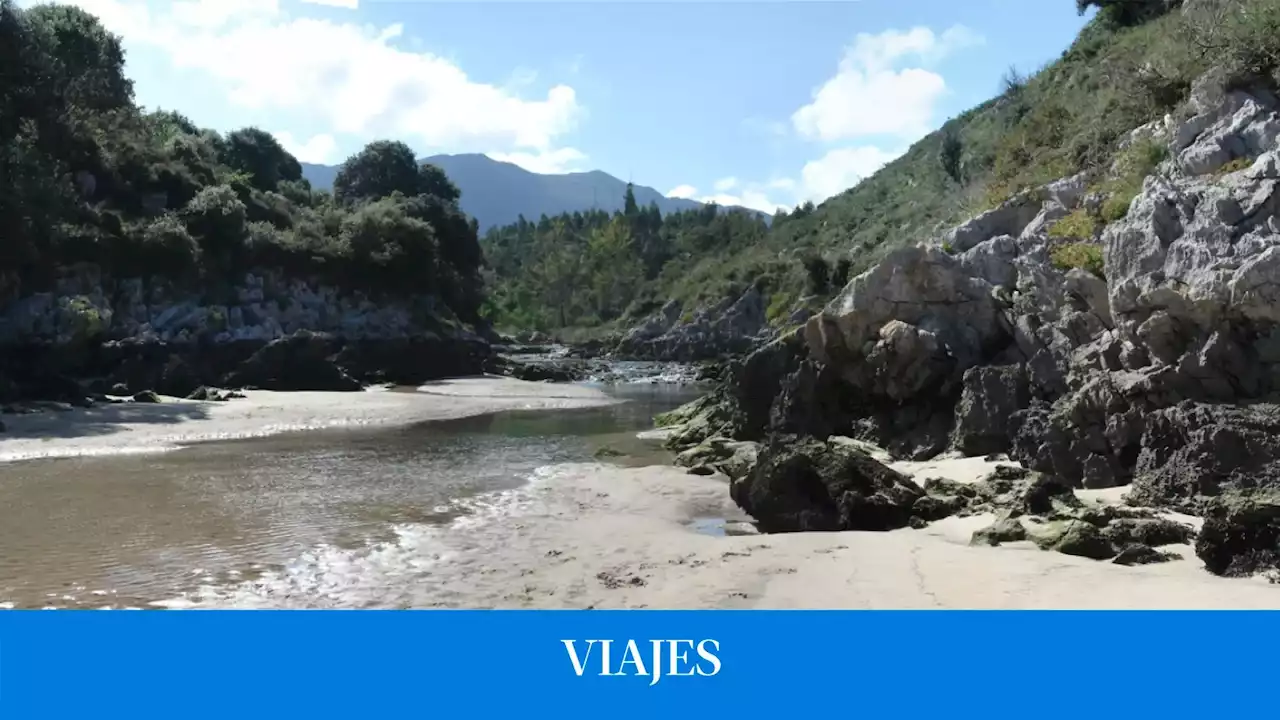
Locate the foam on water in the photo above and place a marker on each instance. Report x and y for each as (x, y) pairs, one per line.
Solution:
(381, 574)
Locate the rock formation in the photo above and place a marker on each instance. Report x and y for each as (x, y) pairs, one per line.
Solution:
(91, 332)
(1157, 369)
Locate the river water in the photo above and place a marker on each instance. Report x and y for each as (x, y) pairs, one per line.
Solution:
(142, 530)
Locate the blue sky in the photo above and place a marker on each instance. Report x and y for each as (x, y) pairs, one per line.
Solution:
(759, 103)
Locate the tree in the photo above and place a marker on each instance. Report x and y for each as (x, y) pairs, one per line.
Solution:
(383, 167)
(1128, 12)
(950, 152)
(261, 156)
(615, 267)
(629, 207)
(434, 182)
(818, 273)
(85, 63)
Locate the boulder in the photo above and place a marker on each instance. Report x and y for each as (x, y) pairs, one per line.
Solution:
(990, 397)
(824, 486)
(302, 361)
(1241, 534)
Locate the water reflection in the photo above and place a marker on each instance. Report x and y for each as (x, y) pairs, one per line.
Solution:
(88, 532)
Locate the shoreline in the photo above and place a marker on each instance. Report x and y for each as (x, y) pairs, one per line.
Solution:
(174, 423)
(596, 536)
(592, 535)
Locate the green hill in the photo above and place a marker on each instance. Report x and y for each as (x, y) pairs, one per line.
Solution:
(1132, 64)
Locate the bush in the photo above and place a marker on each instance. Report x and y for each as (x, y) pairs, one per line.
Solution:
(1086, 256)
(818, 273)
(1079, 225)
(167, 243)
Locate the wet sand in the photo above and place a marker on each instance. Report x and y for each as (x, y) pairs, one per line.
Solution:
(143, 427)
(598, 536)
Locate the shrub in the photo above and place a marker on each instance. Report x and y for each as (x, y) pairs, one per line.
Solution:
(1079, 225)
(167, 242)
(1086, 256)
(818, 274)
(1235, 166)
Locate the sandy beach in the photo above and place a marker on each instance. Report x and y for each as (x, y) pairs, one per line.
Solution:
(603, 536)
(145, 427)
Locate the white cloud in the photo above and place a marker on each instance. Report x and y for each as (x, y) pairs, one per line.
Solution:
(554, 162)
(348, 4)
(750, 197)
(726, 184)
(350, 78)
(841, 169)
(320, 149)
(868, 94)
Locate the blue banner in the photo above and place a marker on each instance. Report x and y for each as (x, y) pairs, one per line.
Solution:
(642, 664)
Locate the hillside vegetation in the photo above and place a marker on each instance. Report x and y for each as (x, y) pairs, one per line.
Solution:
(1132, 64)
(86, 176)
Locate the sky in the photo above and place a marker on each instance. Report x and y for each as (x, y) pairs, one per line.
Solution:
(762, 104)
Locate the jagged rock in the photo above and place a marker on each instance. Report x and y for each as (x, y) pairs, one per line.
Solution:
(1009, 219)
(912, 324)
(1139, 554)
(991, 396)
(730, 328)
(825, 486)
(734, 459)
(1075, 537)
(1194, 451)
(1003, 530)
(302, 361)
(1241, 534)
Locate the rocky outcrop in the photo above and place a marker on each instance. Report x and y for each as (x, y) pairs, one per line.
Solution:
(824, 486)
(730, 328)
(91, 332)
(1154, 364)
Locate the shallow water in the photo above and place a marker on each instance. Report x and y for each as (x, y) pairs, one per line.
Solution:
(135, 530)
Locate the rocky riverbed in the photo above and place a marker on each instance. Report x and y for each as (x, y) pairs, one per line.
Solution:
(1157, 372)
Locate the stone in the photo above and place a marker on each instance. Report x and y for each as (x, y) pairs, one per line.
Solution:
(990, 397)
(1139, 554)
(302, 361)
(146, 396)
(1241, 534)
(1003, 530)
(824, 486)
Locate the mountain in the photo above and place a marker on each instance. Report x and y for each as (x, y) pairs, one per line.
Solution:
(497, 193)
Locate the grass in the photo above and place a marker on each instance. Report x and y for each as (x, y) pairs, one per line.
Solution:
(1235, 166)
(1079, 225)
(1083, 255)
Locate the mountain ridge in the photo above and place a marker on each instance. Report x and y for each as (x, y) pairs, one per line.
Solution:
(498, 193)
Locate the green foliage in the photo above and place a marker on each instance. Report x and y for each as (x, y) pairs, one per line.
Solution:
(1242, 163)
(779, 307)
(262, 160)
(1127, 12)
(818, 273)
(1084, 255)
(1079, 225)
(86, 176)
(598, 268)
(1131, 167)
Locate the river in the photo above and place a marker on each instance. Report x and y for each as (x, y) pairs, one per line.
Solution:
(212, 519)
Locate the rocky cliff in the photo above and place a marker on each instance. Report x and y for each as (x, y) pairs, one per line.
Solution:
(91, 333)
(1146, 354)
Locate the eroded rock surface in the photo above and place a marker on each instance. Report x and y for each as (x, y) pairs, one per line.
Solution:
(1158, 366)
